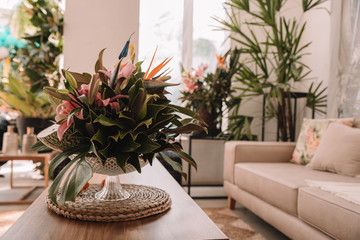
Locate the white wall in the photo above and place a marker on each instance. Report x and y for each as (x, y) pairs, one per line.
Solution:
(317, 31)
(91, 25)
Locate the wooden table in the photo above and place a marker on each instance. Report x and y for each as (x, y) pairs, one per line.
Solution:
(185, 219)
(42, 157)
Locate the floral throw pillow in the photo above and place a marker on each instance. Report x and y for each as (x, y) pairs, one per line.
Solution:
(310, 135)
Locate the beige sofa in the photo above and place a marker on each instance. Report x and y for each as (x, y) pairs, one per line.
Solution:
(260, 177)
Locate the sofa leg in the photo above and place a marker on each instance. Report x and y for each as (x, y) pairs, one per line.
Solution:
(231, 202)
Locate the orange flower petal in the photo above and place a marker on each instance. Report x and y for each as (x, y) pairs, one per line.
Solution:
(131, 45)
(150, 63)
(124, 65)
(158, 68)
(85, 187)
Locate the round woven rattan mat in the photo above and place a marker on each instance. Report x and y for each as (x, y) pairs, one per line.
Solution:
(144, 201)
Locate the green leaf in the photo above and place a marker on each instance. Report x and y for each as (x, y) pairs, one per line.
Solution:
(147, 145)
(84, 99)
(110, 122)
(147, 123)
(80, 78)
(151, 84)
(17, 103)
(148, 157)
(189, 128)
(133, 91)
(139, 104)
(63, 91)
(175, 165)
(107, 92)
(127, 144)
(187, 112)
(53, 92)
(82, 174)
(134, 160)
(16, 86)
(39, 147)
(72, 181)
(100, 136)
(71, 114)
(55, 162)
(116, 135)
(121, 159)
(70, 78)
(54, 188)
(99, 62)
(153, 110)
(143, 110)
(187, 158)
(114, 76)
(162, 120)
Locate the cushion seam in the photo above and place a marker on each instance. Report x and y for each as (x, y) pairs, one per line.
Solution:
(317, 227)
(324, 200)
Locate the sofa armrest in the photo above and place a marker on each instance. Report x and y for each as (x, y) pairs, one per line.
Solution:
(246, 151)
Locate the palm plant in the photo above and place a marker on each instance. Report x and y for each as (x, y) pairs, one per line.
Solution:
(272, 65)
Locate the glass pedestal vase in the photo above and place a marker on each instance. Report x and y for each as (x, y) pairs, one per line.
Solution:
(112, 190)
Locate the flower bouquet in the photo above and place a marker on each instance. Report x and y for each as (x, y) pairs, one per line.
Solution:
(114, 120)
(207, 93)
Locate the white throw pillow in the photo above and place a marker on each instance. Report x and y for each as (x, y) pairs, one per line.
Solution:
(338, 151)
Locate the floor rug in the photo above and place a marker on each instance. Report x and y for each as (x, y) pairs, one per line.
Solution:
(231, 224)
(7, 218)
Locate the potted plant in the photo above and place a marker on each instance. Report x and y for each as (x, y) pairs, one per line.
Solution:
(272, 65)
(16, 93)
(35, 65)
(112, 122)
(208, 93)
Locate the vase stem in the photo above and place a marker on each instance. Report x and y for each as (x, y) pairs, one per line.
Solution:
(112, 190)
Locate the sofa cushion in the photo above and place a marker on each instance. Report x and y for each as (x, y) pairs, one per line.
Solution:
(338, 151)
(278, 183)
(337, 217)
(309, 137)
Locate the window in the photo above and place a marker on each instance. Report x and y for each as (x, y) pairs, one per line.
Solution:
(183, 30)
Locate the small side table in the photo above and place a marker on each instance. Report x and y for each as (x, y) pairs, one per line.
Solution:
(43, 157)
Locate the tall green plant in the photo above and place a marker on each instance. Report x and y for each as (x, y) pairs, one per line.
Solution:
(271, 65)
(37, 64)
(40, 59)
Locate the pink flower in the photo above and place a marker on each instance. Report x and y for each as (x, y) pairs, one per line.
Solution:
(190, 86)
(109, 101)
(199, 73)
(62, 112)
(125, 71)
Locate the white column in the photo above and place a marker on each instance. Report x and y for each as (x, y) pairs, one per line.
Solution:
(187, 34)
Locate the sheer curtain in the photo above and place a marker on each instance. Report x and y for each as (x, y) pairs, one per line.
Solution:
(349, 56)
